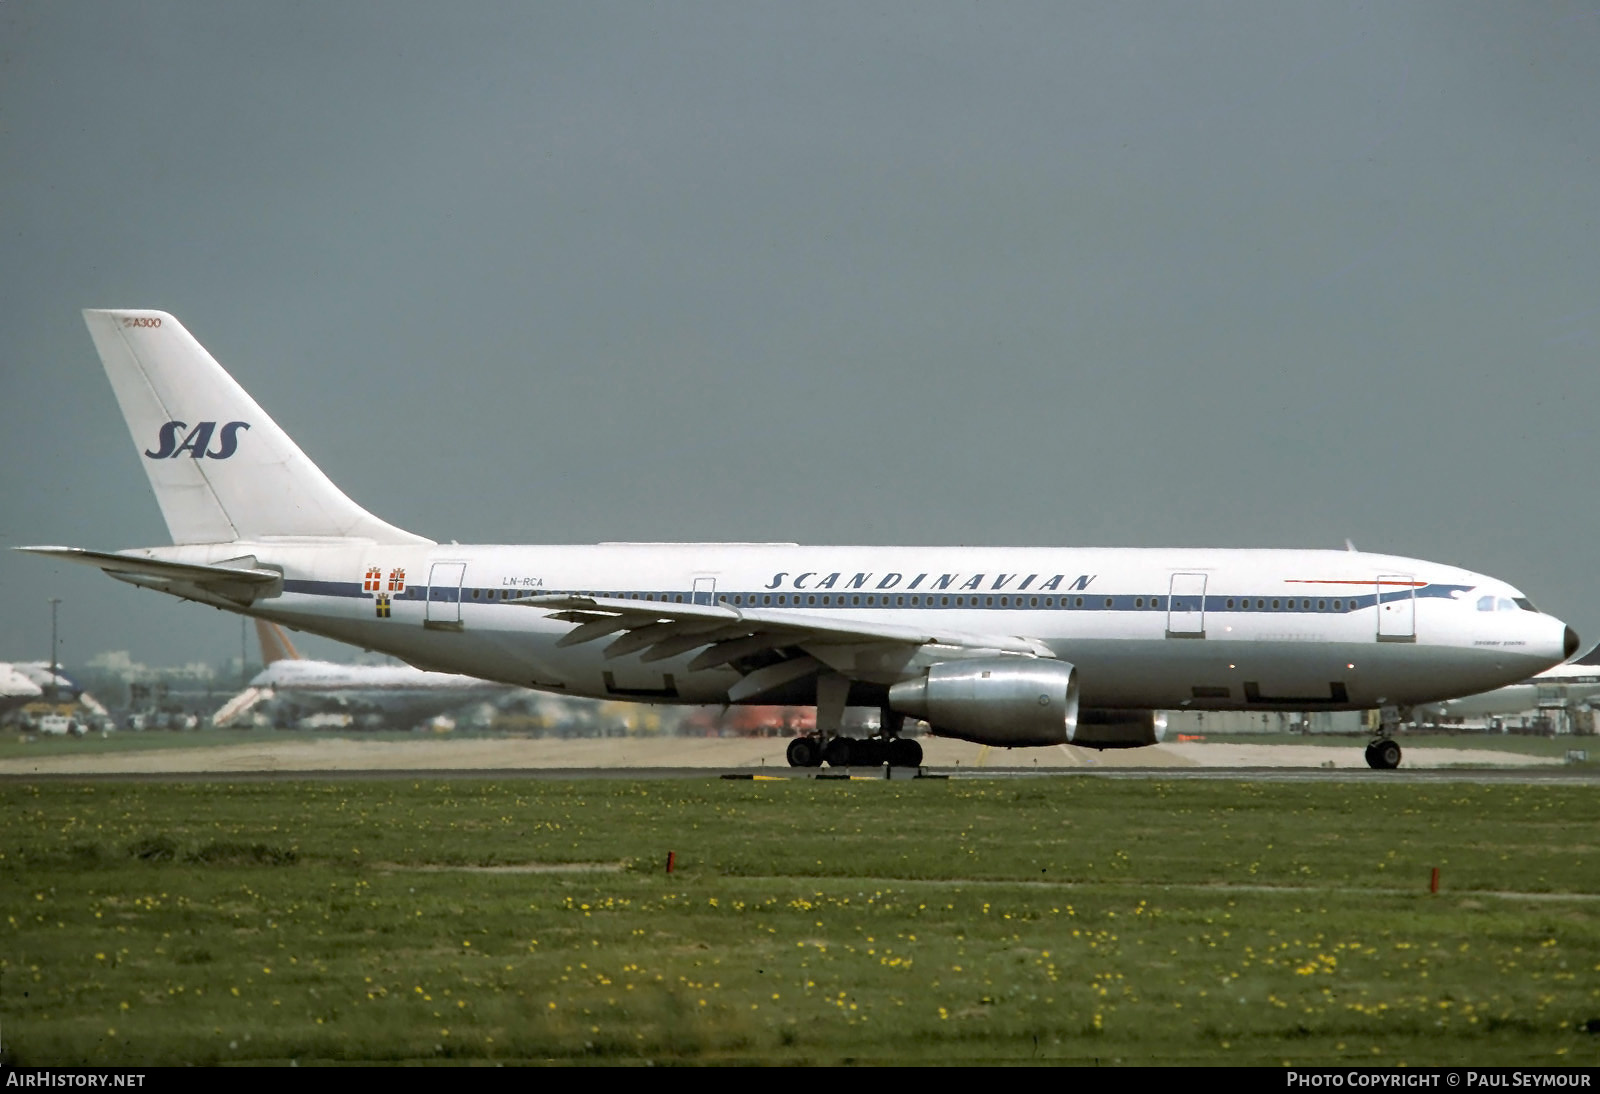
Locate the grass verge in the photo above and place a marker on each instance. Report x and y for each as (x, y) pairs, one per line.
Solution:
(807, 922)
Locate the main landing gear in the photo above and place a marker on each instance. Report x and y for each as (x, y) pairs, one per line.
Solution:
(855, 752)
(1383, 753)
(888, 747)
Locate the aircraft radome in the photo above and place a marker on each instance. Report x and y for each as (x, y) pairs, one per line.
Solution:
(1007, 646)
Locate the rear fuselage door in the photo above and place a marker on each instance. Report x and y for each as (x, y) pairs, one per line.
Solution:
(1397, 608)
(1186, 606)
(444, 596)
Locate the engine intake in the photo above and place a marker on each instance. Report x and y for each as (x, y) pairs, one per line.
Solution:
(1006, 701)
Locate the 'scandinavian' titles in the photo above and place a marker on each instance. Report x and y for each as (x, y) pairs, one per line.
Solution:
(816, 579)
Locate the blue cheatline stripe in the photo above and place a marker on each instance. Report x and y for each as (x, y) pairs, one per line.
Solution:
(1118, 602)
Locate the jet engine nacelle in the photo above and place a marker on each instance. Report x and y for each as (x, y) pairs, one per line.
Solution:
(1119, 728)
(1006, 701)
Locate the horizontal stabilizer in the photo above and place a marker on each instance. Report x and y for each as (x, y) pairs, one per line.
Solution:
(238, 581)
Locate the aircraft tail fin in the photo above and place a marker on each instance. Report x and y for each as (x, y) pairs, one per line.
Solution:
(222, 470)
(275, 645)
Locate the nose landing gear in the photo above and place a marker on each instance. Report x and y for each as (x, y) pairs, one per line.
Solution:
(1383, 753)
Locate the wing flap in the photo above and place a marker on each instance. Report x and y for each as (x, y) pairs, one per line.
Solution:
(772, 677)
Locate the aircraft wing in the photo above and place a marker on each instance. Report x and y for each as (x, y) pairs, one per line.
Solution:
(771, 648)
(238, 581)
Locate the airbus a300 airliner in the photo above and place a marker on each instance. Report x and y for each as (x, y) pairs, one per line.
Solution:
(1004, 646)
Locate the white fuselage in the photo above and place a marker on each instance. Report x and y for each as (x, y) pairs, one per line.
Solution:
(1203, 629)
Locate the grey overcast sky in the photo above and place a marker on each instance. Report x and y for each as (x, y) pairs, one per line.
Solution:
(1222, 274)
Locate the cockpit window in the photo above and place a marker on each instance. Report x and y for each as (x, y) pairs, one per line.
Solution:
(1505, 604)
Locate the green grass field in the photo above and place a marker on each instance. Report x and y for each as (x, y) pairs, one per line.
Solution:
(1073, 919)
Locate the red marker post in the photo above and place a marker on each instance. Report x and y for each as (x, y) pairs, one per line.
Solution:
(673, 855)
(1433, 885)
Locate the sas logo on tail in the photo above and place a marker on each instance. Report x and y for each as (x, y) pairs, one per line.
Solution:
(197, 442)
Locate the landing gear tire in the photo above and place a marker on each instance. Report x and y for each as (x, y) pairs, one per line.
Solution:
(1383, 755)
(803, 752)
(869, 752)
(904, 752)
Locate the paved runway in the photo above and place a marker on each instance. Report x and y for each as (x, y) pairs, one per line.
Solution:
(1516, 776)
(293, 756)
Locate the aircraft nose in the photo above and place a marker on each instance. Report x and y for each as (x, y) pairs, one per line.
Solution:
(1569, 644)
